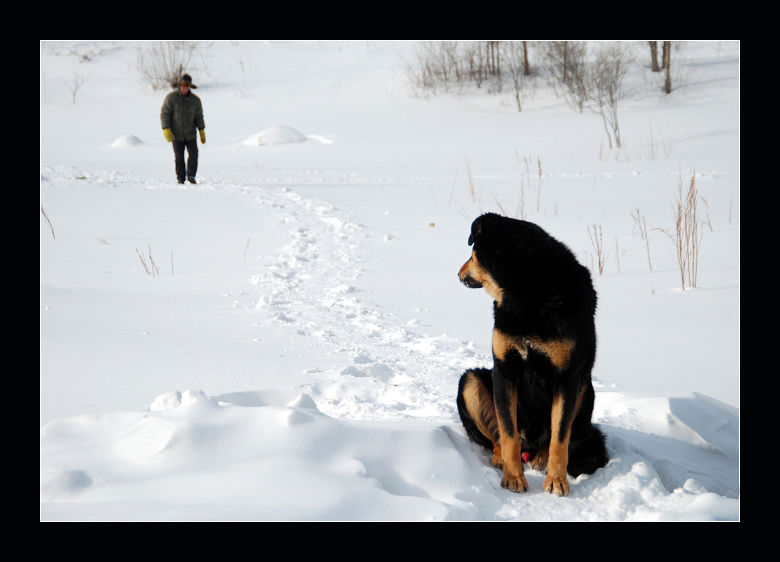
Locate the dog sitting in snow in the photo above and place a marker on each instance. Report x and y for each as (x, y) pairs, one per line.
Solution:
(535, 404)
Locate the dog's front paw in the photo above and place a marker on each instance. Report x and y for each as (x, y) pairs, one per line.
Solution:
(516, 483)
(556, 485)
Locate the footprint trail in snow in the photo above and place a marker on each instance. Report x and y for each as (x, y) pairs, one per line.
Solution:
(311, 289)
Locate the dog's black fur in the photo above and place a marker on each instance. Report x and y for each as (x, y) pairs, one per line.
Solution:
(544, 348)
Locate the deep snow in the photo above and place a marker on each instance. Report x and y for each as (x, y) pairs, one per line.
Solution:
(296, 355)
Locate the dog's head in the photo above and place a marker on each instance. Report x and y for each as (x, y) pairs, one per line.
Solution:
(477, 272)
(505, 254)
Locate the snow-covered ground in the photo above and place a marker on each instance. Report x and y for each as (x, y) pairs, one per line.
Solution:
(295, 349)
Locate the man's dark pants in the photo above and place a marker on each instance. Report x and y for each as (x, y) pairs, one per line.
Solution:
(192, 158)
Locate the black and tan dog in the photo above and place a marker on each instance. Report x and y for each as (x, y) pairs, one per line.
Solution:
(538, 398)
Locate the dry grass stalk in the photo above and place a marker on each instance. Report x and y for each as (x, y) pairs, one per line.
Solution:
(529, 177)
(472, 189)
(539, 192)
(501, 207)
(52, 228)
(151, 268)
(521, 206)
(640, 223)
(452, 190)
(143, 261)
(155, 269)
(687, 234)
(596, 239)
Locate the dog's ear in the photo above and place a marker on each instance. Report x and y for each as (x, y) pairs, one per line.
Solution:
(476, 229)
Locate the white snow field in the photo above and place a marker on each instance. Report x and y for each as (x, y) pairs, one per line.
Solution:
(283, 340)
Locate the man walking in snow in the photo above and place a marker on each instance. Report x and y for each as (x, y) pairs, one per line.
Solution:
(181, 116)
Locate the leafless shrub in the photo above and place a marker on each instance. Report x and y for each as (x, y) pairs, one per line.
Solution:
(474, 61)
(434, 65)
(605, 85)
(162, 64)
(441, 66)
(516, 64)
(566, 70)
(74, 85)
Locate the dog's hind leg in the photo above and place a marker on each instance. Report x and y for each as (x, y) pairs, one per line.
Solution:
(587, 448)
(477, 411)
(587, 452)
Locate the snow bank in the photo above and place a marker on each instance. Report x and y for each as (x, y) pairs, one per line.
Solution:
(264, 456)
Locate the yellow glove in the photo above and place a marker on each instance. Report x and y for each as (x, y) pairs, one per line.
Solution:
(203, 136)
(168, 135)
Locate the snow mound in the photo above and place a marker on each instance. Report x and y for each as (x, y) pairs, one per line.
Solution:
(276, 134)
(127, 141)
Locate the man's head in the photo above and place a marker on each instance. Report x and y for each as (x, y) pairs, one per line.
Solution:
(185, 84)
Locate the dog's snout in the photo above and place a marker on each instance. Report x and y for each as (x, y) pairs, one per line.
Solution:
(466, 276)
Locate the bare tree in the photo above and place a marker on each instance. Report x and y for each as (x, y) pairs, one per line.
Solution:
(526, 65)
(605, 85)
(668, 66)
(654, 56)
(493, 49)
(664, 53)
